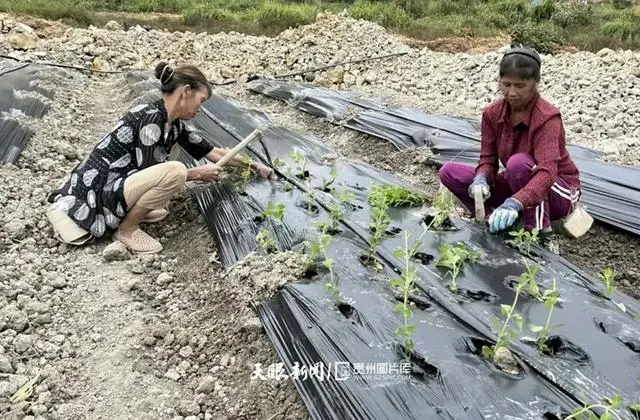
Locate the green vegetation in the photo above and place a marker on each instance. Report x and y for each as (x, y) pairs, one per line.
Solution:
(546, 27)
(453, 258)
(395, 196)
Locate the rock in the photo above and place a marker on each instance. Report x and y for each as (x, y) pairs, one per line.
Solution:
(23, 41)
(504, 359)
(187, 408)
(186, 351)
(227, 73)
(66, 150)
(112, 25)
(135, 267)
(39, 409)
(116, 251)
(57, 282)
(18, 321)
(16, 228)
(206, 385)
(149, 341)
(5, 364)
(336, 75)
(160, 331)
(164, 278)
(173, 375)
(22, 343)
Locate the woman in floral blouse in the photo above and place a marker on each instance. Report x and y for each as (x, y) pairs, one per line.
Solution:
(126, 180)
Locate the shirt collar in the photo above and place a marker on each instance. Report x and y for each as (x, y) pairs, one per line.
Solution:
(526, 119)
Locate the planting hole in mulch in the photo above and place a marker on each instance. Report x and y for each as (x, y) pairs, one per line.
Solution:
(370, 262)
(562, 348)
(512, 283)
(309, 207)
(479, 295)
(447, 225)
(423, 258)
(421, 302)
(623, 333)
(419, 365)
(509, 366)
(392, 231)
(346, 309)
(303, 175)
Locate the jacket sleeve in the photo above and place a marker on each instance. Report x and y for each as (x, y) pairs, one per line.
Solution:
(546, 154)
(488, 163)
(193, 142)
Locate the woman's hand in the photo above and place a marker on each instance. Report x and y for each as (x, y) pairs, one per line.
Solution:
(264, 172)
(209, 172)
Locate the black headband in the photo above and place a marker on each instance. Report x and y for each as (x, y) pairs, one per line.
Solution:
(519, 49)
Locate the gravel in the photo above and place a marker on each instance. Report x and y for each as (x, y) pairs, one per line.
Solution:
(111, 335)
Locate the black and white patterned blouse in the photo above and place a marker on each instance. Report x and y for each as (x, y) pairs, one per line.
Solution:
(93, 193)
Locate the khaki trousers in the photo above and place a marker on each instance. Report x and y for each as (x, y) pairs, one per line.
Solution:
(151, 188)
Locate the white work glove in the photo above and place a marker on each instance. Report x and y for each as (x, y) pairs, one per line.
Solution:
(480, 182)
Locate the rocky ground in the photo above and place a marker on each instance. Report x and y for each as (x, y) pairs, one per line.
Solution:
(174, 336)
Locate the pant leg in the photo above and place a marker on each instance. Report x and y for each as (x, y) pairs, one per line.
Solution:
(558, 203)
(457, 177)
(152, 188)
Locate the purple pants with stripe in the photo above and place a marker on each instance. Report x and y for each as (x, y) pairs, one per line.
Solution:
(457, 177)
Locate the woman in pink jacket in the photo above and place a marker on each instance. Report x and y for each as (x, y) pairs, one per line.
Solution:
(525, 133)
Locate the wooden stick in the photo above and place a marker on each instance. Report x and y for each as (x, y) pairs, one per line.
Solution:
(231, 153)
(479, 201)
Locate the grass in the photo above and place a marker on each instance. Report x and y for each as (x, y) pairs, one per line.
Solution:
(546, 27)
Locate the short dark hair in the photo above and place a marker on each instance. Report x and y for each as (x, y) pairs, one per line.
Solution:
(185, 74)
(521, 61)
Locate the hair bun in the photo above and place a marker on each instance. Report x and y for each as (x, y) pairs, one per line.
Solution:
(164, 72)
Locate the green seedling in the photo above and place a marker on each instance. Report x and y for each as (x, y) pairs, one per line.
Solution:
(505, 332)
(319, 248)
(301, 163)
(407, 284)
(327, 183)
(635, 409)
(523, 239)
(379, 223)
(275, 212)
(279, 163)
(442, 208)
(608, 276)
(395, 196)
(345, 197)
(266, 241)
(289, 186)
(246, 174)
(550, 299)
(529, 278)
(453, 257)
(610, 408)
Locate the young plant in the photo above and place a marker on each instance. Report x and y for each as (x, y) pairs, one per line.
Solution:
(319, 248)
(635, 409)
(523, 239)
(608, 276)
(407, 284)
(609, 408)
(266, 241)
(453, 257)
(395, 196)
(379, 223)
(505, 332)
(550, 298)
(443, 208)
(275, 212)
(327, 183)
(529, 278)
(301, 164)
(245, 175)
